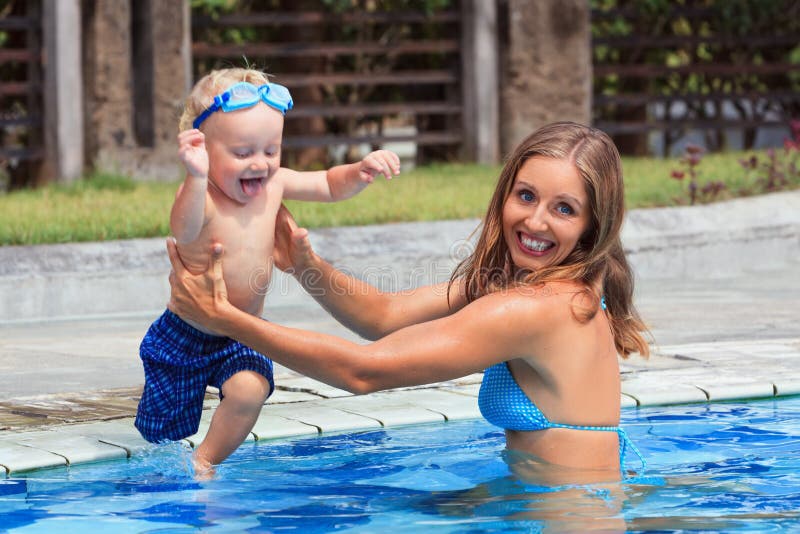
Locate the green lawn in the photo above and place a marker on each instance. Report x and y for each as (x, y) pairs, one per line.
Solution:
(110, 207)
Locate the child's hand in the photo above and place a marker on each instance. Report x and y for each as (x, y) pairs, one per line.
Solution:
(383, 162)
(193, 154)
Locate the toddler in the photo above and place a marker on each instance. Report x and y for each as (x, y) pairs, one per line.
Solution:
(230, 145)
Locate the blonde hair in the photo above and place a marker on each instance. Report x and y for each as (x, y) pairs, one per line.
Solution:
(598, 258)
(215, 82)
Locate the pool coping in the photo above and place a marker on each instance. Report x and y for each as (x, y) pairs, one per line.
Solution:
(41, 284)
(300, 406)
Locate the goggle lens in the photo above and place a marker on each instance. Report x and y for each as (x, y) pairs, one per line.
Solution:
(245, 94)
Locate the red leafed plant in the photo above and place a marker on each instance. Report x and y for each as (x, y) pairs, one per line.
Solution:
(690, 173)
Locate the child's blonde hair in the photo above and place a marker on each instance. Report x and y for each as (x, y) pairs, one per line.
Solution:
(215, 82)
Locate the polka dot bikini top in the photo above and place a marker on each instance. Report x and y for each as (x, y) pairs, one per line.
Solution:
(503, 403)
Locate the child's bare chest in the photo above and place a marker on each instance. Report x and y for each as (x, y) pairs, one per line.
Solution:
(246, 233)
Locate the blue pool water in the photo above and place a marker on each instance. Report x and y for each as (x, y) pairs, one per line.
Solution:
(732, 467)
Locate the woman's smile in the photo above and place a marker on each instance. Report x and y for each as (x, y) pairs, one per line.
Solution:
(546, 212)
(535, 246)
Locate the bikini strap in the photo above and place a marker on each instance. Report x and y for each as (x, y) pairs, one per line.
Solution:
(624, 443)
(584, 427)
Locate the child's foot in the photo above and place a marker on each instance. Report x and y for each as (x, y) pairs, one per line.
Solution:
(203, 469)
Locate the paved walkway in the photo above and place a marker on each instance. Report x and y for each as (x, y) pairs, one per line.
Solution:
(722, 300)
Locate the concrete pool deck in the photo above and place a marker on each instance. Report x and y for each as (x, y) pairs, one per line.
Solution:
(717, 284)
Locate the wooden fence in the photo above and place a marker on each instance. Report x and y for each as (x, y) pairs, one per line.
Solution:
(21, 102)
(696, 65)
(357, 77)
(365, 78)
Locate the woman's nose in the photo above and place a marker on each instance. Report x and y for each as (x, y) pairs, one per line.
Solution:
(537, 219)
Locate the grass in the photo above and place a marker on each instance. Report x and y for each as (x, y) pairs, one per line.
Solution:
(99, 208)
(648, 182)
(104, 207)
(446, 191)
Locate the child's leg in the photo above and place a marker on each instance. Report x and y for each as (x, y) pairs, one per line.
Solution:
(243, 396)
(172, 397)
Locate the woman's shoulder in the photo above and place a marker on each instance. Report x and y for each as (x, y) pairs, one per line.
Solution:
(548, 293)
(545, 302)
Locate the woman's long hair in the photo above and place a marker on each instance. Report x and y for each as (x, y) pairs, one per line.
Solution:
(598, 260)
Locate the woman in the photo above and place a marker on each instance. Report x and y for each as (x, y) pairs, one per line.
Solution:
(544, 305)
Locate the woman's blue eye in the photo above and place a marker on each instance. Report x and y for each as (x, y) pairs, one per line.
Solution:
(527, 196)
(565, 210)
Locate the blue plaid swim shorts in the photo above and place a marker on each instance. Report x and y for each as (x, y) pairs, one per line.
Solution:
(179, 362)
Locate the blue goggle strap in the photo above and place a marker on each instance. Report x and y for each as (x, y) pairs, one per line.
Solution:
(218, 101)
(222, 102)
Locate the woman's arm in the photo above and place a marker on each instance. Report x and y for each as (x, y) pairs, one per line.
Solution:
(359, 306)
(492, 329)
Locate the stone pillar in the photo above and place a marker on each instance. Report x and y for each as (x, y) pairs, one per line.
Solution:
(170, 24)
(546, 70)
(63, 91)
(107, 71)
(137, 58)
(480, 78)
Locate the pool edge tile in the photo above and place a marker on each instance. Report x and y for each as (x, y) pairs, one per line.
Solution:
(454, 406)
(627, 401)
(317, 416)
(327, 419)
(785, 388)
(76, 449)
(390, 409)
(738, 391)
(683, 394)
(281, 427)
(28, 458)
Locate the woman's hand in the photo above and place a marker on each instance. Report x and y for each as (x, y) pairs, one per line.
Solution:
(200, 298)
(293, 253)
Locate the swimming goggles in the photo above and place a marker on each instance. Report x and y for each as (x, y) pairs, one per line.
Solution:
(245, 94)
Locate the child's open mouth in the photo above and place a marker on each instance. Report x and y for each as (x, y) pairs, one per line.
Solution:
(252, 186)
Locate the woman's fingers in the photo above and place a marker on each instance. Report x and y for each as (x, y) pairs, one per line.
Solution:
(285, 218)
(174, 257)
(177, 267)
(300, 238)
(220, 289)
(297, 235)
(215, 263)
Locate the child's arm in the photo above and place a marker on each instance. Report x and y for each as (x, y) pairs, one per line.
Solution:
(188, 211)
(340, 182)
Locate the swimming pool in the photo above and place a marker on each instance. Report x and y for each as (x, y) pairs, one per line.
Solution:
(711, 467)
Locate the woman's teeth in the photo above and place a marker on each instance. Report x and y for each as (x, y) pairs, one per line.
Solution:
(534, 244)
